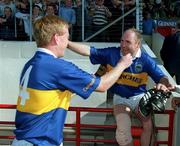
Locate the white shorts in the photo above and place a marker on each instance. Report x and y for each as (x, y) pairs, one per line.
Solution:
(131, 102)
(23, 143)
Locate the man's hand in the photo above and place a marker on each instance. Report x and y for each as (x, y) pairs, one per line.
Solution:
(126, 60)
(108, 79)
(162, 87)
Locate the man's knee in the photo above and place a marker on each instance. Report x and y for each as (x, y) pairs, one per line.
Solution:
(123, 131)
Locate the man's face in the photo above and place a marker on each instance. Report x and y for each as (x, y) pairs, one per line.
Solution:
(129, 43)
(50, 10)
(63, 42)
(7, 12)
(99, 2)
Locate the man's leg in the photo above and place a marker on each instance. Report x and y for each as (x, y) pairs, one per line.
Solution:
(147, 132)
(108, 134)
(123, 131)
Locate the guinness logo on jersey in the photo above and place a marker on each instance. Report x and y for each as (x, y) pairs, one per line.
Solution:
(138, 67)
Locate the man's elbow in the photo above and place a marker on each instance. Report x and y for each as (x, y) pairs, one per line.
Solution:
(102, 88)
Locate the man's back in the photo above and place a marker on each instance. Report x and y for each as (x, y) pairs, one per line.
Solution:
(176, 44)
(170, 52)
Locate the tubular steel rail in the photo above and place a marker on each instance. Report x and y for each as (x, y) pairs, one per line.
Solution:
(136, 130)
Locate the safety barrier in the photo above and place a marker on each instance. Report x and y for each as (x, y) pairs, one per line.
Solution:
(78, 126)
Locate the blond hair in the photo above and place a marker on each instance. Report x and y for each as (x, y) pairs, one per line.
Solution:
(45, 27)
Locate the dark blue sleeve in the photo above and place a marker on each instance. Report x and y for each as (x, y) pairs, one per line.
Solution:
(99, 56)
(76, 80)
(153, 70)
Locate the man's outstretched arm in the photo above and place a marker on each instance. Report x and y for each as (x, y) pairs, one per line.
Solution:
(108, 79)
(79, 48)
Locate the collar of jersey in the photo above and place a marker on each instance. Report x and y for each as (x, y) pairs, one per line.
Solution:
(138, 54)
(44, 50)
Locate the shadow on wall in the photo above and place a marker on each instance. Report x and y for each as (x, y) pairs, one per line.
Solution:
(157, 42)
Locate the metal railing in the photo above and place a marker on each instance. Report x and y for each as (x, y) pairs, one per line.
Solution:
(78, 126)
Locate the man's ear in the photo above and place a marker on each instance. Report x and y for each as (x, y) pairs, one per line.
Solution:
(55, 38)
(138, 43)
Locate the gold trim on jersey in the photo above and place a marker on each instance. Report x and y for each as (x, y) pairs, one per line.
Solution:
(131, 79)
(42, 101)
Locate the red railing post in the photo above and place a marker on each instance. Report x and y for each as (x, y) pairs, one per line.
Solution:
(170, 129)
(78, 126)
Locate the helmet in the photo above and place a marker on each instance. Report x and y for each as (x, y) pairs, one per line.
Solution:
(153, 100)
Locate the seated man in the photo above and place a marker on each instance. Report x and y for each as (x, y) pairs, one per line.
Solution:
(131, 85)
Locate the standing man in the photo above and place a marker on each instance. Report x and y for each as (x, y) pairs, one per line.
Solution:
(149, 27)
(130, 87)
(47, 82)
(170, 53)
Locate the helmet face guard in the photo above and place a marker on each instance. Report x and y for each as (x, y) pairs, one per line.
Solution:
(153, 100)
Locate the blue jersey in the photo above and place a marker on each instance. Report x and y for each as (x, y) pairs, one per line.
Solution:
(134, 79)
(46, 86)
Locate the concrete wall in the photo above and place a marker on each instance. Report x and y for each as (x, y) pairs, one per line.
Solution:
(157, 42)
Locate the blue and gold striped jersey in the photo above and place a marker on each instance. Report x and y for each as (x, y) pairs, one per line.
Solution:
(134, 79)
(46, 86)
